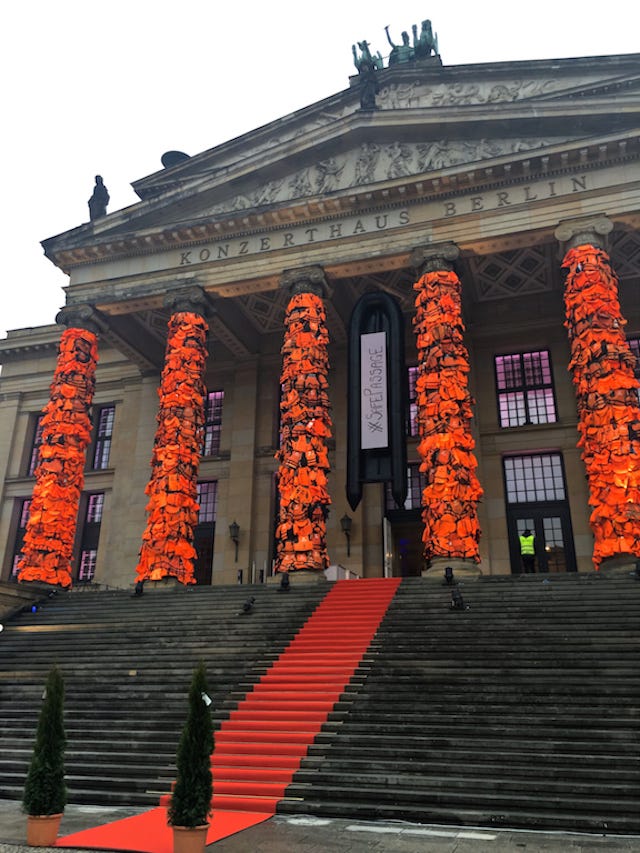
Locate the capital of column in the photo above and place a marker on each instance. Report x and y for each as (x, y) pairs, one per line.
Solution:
(306, 280)
(436, 256)
(81, 317)
(190, 299)
(588, 229)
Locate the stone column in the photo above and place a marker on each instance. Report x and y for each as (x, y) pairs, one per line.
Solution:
(66, 432)
(305, 427)
(172, 511)
(602, 367)
(450, 497)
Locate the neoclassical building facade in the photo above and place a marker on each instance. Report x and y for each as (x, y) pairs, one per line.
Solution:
(190, 413)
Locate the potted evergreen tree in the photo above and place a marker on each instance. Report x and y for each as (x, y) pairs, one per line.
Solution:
(190, 805)
(45, 791)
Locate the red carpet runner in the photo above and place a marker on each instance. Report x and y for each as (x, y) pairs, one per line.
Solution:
(260, 747)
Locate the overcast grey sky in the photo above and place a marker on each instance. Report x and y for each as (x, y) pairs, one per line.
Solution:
(92, 87)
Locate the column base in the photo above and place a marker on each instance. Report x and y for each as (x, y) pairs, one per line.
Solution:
(621, 564)
(300, 576)
(169, 582)
(461, 568)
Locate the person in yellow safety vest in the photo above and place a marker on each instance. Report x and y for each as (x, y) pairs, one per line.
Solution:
(528, 551)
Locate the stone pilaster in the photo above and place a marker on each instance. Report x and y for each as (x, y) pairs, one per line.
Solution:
(305, 427)
(452, 491)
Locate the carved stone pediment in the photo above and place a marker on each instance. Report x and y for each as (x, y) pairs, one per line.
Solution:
(333, 157)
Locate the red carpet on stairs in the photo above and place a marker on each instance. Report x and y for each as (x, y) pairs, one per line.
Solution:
(260, 747)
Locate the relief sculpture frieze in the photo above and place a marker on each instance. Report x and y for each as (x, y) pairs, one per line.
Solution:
(372, 163)
(417, 94)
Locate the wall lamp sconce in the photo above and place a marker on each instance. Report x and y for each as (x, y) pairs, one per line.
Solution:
(234, 533)
(345, 524)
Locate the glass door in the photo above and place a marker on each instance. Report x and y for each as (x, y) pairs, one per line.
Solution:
(551, 527)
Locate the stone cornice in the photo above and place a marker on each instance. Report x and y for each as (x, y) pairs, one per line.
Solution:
(503, 172)
(43, 340)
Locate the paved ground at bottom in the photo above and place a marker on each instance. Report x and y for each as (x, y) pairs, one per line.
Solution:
(284, 834)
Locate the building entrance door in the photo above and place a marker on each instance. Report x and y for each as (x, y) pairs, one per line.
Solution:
(203, 543)
(551, 526)
(404, 536)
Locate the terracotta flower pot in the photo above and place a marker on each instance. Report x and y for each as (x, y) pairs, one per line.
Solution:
(42, 830)
(190, 839)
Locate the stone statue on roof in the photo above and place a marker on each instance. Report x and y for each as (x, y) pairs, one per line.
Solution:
(366, 62)
(400, 52)
(99, 200)
(367, 66)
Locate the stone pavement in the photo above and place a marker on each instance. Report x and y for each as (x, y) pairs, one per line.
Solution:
(298, 834)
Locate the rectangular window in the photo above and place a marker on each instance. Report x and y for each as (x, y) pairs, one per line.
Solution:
(208, 500)
(213, 423)
(23, 517)
(95, 506)
(534, 478)
(34, 456)
(103, 425)
(412, 426)
(87, 568)
(204, 532)
(90, 536)
(524, 384)
(416, 482)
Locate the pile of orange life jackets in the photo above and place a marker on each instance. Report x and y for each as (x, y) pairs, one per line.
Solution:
(602, 367)
(172, 509)
(305, 428)
(66, 432)
(452, 490)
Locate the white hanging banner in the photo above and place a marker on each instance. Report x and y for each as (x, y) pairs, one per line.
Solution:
(374, 420)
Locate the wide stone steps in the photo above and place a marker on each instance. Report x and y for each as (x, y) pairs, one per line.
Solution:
(480, 765)
(412, 795)
(465, 785)
(581, 745)
(127, 664)
(523, 710)
(551, 818)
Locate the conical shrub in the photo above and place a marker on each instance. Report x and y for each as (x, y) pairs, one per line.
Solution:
(193, 790)
(45, 792)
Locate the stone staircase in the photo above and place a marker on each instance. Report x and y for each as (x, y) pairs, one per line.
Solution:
(522, 711)
(127, 663)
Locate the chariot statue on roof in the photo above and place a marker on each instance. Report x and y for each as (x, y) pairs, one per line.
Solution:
(425, 42)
